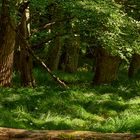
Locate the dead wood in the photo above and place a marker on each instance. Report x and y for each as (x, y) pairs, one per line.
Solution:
(28, 47)
(20, 134)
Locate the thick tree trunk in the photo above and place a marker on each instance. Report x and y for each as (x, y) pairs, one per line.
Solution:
(7, 41)
(18, 134)
(106, 67)
(27, 78)
(25, 59)
(134, 66)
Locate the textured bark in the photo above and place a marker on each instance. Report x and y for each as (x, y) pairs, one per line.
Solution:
(106, 67)
(134, 66)
(25, 59)
(18, 134)
(7, 41)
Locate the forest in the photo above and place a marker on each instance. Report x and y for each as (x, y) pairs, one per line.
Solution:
(71, 65)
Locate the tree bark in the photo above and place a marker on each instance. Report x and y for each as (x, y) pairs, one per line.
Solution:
(25, 59)
(7, 41)
(19, 134)
(106, 67)
(134, 66)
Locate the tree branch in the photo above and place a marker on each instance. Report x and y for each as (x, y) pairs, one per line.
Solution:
(47, 25)
(42, 42)
(28, 47)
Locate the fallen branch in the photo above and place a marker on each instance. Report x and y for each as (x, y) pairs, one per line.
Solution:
(28, 47)
(48, 70)
(19, 134)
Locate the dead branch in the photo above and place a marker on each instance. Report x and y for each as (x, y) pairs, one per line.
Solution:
(28, 47)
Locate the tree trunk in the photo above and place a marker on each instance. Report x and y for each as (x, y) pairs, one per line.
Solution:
(7, 41)
(55, 49)
(55, 53)
(25, 57)
(134, 66)
(71, 49)
(19, 134)
(106, 67)
(72, 54)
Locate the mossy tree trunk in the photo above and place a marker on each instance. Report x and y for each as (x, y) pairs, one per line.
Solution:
(25, 59)
(106, 67)
(134, 66)
(7, 41)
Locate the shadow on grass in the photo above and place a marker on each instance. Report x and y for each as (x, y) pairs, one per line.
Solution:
(83, 107)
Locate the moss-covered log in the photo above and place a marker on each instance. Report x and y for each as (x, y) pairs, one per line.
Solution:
(19, 134)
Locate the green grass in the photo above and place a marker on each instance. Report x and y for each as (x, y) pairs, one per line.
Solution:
(110, 108)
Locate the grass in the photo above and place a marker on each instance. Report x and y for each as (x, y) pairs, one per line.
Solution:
(109, 108)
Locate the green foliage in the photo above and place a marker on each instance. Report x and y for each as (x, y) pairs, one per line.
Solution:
(102, 23)
(110, 27)
(105, 23)
(82, 107)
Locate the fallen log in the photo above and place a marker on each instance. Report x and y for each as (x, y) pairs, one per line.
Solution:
(20, 134)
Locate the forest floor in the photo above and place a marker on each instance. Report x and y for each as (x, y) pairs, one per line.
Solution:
(109, 109)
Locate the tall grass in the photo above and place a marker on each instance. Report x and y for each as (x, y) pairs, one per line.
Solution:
(110, 108)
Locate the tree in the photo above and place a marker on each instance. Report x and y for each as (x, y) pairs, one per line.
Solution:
(132, 8)
(7, 41)
(54, 10)
(114, 34)
(103, 25)
(71, 47)
(106, 67)
(25, 59)
(134, 65)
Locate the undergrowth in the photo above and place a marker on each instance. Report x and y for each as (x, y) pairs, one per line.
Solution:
(108, 108)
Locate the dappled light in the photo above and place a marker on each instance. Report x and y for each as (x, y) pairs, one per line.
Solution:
(69, 69)
(102, 108)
